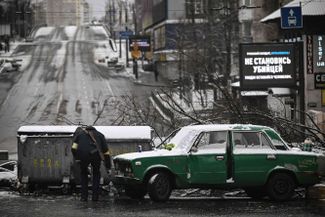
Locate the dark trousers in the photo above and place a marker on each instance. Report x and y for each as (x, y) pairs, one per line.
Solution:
(95, 163)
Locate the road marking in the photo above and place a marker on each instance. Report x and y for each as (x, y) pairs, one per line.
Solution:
(110, 88)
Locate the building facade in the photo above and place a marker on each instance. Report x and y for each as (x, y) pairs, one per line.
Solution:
(120, 16)
(65, 12)
(306, 100)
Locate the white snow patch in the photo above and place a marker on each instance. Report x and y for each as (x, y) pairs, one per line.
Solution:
(154, 153)
(59, 57)
(125, 132)
(70, 31)
(110, 132)
(8, 194)
(44, 31)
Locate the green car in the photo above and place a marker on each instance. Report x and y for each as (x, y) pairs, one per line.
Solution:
(251, 157)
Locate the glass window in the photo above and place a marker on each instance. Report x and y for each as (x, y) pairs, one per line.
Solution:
(265, 143)
(245, 2)
(194, 8)
(212, 140)
(160, 38)
(246, 28)
(250, 140)
(276, 140)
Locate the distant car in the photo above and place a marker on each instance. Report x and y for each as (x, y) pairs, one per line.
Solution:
(8, 173)
(6, 67)
(102, 60)
(112, 61)
(9, 65)
(254, 158)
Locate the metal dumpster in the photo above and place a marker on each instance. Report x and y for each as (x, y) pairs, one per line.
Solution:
(44, 156)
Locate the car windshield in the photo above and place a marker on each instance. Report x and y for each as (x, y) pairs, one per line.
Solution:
(183, 139)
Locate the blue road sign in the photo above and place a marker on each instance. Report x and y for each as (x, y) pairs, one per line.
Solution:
(125, 34)
(291, 18)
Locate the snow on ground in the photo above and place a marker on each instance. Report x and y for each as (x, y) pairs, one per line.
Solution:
(44, 31)
(59, 57)
(70, 31)
(196, 101)
(8, 194)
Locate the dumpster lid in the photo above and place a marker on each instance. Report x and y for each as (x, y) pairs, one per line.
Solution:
(46, 129)
(125, 132)
(110, 132)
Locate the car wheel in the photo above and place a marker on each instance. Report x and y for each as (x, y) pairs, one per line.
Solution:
(256, 193)
(159, 187)
(135, 193)
(280, 187)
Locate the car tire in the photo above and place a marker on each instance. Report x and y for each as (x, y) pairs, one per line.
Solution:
(255, 193)
(135, 192)
(159, 187)
(280, 187)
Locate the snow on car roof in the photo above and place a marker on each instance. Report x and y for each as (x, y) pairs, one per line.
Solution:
(211, 127)
(110, 132)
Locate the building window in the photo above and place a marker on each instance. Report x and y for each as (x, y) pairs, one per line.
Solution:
(246, 28)
(246, 2)
(160, 38)
(194, 8)
(212, 140)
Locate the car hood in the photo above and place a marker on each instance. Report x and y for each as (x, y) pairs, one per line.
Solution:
(148, 154)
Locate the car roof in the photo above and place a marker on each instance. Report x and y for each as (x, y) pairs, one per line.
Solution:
(218, 127)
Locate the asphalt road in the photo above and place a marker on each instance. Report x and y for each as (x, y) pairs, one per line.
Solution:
(63, 206)
(62, 81)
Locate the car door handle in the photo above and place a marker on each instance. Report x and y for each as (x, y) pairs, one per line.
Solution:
(271, 157)
(220, 157)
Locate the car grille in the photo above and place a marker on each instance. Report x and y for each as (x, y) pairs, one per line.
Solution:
(123, 168)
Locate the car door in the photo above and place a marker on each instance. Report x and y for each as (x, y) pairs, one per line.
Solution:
(253, 157)
(207, 160)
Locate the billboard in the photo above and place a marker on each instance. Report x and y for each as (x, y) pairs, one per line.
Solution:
(142, 42)
(265, 65)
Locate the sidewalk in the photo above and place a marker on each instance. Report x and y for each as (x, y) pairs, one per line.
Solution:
(13, 46)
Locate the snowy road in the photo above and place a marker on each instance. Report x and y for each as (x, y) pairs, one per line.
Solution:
(13, 205)
(62, 79)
